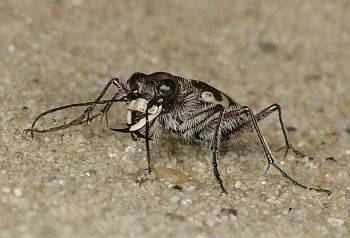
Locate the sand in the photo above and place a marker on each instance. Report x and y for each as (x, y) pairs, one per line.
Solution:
(87, 181)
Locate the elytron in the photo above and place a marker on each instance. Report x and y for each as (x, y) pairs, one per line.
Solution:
(162, 103)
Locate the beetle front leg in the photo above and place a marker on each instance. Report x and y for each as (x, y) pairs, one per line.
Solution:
(79, 120)
(86, 115)
(122, 91)
(147, 144)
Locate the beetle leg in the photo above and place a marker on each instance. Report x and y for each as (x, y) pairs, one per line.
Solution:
(79, 120)
(268, 153)
(121, 90)
(147, 144)
(213, 148)
(85, 117)
(246, 126)
(288, 145)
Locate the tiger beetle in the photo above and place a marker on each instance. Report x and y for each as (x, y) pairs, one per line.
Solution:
(162, 103)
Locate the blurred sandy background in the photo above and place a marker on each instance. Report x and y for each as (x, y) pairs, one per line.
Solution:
(81, 182)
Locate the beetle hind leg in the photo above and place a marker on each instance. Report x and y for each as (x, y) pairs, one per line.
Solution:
(288, 145)
(246, 110)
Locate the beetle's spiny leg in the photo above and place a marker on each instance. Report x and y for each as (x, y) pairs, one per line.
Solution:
(85, 117)
(79, 120)
(269, 155)
(214, 146)
(246, 126)
(105, 109)
(294, 150)
(285, 175)
(31, 130)
(114, 81)
(246, 110)
(147, 144)
(288, 145)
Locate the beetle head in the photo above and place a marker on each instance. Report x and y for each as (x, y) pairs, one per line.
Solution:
(150, 94)
(158, 88)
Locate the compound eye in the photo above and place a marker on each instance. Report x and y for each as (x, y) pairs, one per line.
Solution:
(167, 89)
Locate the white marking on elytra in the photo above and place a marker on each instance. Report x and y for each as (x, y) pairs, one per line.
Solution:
(209, 97)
